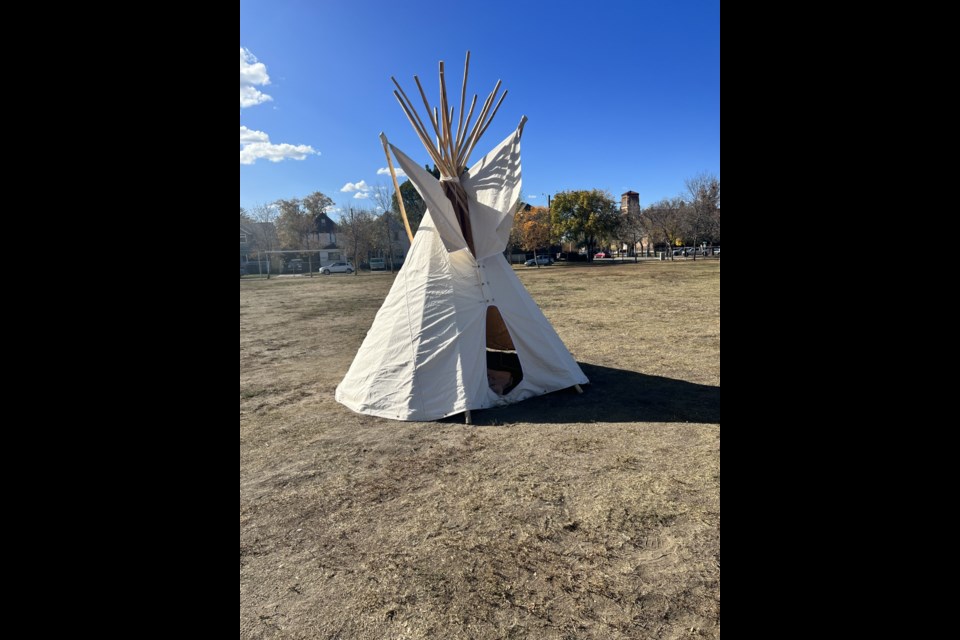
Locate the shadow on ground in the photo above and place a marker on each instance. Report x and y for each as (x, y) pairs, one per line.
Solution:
(613, 395)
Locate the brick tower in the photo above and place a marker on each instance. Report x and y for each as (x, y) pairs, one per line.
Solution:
(630, 205)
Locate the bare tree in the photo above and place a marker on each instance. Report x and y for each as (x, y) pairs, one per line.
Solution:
(663, 221)
(263, 218)
(633, 227)
(716, 225)
(383, 197)
(358, 229)
(257, 223)
(262, 213)
(703, 210)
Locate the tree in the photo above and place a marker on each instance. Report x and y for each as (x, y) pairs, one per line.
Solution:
(293, 225)
(317, 204)
(358, 229)
(514, 241)
(585, 217)
(664, 222)
(261, 221)
(703, 211)
(633, 227)
(716, 225)
(383, 196)
(297, 220)
(262, 213)
(531, 229)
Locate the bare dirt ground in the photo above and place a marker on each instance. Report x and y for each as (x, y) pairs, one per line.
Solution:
(565, 516)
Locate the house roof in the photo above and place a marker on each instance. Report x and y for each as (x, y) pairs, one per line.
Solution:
(325, 224)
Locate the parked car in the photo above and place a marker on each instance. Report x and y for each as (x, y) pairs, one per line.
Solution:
(337, 267)
(599, 254)
(532, 262)
(377, 264)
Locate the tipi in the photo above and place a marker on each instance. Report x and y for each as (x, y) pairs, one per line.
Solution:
(458, 331)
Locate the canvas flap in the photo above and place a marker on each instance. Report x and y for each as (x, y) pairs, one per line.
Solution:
(437, 203)
(493, 185)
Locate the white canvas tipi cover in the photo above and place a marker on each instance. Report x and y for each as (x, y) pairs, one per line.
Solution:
(425, 358)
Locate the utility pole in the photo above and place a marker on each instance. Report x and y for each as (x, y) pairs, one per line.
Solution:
(549, 225)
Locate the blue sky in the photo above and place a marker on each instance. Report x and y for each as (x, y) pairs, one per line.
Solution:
(620, 94)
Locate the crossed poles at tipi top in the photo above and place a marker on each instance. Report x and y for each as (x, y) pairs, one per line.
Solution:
(449, 153)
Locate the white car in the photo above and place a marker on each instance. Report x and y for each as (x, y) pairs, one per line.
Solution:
(337, 267)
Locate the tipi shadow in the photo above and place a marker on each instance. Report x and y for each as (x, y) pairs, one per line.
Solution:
(613, 395)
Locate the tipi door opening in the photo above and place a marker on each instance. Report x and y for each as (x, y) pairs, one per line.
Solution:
(504, 372)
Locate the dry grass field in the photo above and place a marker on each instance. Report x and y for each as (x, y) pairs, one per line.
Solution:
(565, 516)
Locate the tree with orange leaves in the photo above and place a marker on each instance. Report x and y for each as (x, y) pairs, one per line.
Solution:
(531, 229)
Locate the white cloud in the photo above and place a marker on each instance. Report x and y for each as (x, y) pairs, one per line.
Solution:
(252, 71)
(250, 97)
(248, 136)
(274, 152)
(252, 74)
(355, 186)
(529, 197)
(361, 195)
(385, 171)
(256, 144)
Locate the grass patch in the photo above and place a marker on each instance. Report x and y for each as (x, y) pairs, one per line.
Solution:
(565, 516)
